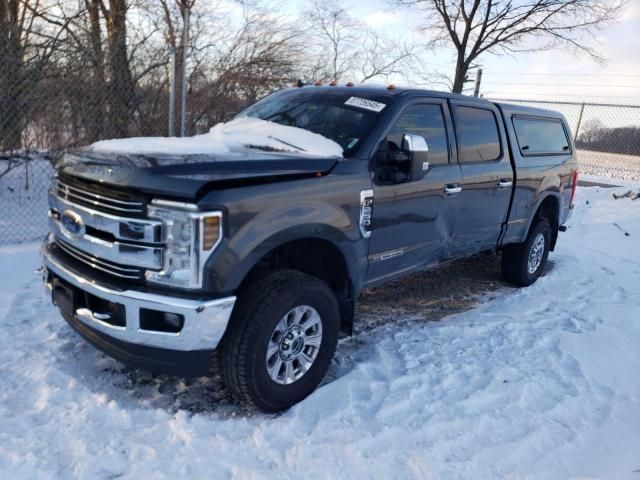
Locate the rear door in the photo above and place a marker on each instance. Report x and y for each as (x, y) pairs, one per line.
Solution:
(412, 221)
(487, 176)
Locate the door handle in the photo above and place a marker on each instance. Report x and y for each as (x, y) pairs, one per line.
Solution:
(504, 183)
(452, 190)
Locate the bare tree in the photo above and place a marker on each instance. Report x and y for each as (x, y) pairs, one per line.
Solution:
(26, 51)
(346, 47)
(13, 30)
(261, 54)
(96, 57)
(334, 31)
(475, 27)
(121, 88)
(590, 130)
(73, 72)
(173, 13)
(383, 57)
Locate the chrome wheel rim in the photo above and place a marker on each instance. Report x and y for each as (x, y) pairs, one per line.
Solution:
(536, 253)
(294, 344)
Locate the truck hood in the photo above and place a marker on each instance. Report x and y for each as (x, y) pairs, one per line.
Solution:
(187, 177)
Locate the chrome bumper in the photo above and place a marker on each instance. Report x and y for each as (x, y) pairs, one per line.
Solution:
(204, 321)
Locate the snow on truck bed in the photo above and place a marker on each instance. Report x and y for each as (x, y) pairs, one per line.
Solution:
(238, 134)
(541, 382)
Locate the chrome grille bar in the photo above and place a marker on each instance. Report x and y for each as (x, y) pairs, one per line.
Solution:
(99, 264)
(142, 256)
(122, 228)
(72, 193)
(113, 234)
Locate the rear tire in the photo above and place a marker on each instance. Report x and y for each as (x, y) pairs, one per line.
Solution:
(281, 339)
(523, 263)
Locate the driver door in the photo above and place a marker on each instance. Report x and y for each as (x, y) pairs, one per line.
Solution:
(412, 221)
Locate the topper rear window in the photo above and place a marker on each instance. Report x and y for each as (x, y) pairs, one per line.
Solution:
(541, 136)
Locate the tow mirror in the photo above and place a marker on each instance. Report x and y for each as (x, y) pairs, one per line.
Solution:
(415, 146)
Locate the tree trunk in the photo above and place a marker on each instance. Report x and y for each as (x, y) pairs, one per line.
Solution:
(121, 93)
(97, 114)
(11, 76)
(461, 74)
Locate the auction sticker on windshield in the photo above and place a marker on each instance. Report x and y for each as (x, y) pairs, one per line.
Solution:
(366, 104)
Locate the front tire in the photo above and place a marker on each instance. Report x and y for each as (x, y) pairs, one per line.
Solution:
(523, 263)
(281, 339)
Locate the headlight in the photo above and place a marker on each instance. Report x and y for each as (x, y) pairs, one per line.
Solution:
(189, 237)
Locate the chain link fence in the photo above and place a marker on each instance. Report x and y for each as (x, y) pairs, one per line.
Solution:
(24, 182)
(607, 138)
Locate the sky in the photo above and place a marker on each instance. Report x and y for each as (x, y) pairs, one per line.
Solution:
(554, 74)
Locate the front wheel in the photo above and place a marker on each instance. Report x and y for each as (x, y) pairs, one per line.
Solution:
(523, 263)
(281, 340)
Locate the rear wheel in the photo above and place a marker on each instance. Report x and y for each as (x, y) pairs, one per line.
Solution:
(523, 263)
(281, 340)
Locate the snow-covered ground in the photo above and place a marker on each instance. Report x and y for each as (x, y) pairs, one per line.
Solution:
(611, 167)
(23, 198)
(542, 382)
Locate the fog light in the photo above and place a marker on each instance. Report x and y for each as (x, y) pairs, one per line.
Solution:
(174, 320)
(156, 321)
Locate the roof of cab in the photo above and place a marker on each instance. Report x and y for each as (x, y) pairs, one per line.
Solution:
(396, 91)
(509, 109)
(388, 91)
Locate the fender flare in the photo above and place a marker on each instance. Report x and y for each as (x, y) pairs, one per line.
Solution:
(541, 199)
(226, 270)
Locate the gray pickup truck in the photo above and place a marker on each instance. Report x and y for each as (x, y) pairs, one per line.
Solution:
(253, 259)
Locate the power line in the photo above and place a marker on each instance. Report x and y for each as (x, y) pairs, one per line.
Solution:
(565, 95)
(563, 85)
(512, 74)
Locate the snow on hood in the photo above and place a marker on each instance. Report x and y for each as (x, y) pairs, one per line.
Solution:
(233, 136)
(198, 144)
(247, 131)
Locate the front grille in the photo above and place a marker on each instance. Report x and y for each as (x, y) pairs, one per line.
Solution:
(118, 270)
(94, 196)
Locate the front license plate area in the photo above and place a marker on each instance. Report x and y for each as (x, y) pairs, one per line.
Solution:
(63, 297)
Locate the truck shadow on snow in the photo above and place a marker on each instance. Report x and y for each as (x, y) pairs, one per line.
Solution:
(421, 297)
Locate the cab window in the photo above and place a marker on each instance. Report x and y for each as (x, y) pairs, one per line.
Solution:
(477, 134)
(427, 121)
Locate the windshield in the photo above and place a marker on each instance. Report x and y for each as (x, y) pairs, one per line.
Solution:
(334, 115)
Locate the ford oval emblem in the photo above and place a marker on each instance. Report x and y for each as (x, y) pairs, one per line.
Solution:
(72, 223)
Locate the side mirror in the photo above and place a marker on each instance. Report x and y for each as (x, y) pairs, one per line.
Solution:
(415, 146)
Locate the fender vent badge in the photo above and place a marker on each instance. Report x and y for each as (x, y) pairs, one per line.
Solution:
(366, 212)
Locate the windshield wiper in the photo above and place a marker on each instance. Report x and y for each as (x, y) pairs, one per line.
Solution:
(266, 148)
(286, 143)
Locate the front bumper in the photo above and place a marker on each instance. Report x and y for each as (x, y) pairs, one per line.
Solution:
(205, 321)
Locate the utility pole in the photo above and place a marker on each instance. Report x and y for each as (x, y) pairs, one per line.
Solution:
(172, 94)
(476, 85)
(185, 45)
(575, 135)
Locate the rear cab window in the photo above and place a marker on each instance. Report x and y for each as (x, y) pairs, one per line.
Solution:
(541, 136)
(477, 135)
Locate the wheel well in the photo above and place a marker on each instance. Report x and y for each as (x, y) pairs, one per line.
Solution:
(549, 209)
(316, 257)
